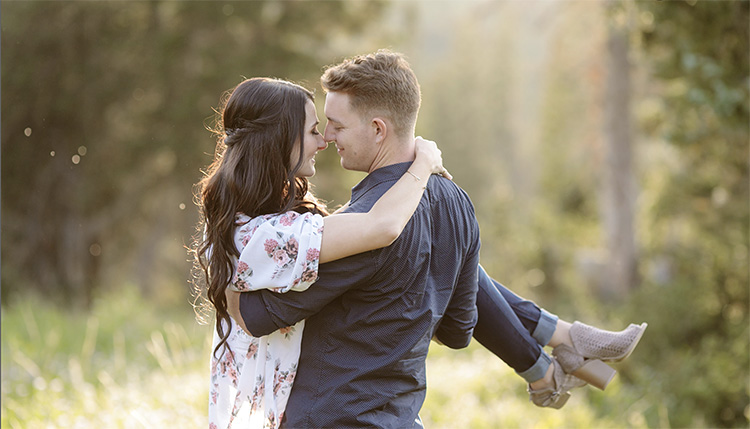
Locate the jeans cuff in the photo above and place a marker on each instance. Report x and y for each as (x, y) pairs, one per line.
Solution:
(545, 327)
(538, 370)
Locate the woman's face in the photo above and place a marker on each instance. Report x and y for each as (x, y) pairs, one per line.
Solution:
(311, 144)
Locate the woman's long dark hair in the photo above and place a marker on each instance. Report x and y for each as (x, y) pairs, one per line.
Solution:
(260, 122)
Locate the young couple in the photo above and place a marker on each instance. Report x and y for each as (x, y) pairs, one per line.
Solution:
(370, 285)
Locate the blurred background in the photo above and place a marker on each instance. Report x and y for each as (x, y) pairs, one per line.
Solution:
(604, 144)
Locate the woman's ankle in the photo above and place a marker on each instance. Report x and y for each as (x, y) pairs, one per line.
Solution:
(546, 381)
(561, 334)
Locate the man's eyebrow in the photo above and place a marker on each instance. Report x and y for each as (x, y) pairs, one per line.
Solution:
(330, 119)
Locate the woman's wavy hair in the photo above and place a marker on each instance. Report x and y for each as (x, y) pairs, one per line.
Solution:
(258, 125)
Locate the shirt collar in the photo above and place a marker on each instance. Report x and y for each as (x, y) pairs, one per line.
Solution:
(384, 174)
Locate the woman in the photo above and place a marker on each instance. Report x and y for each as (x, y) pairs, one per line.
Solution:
(263, 229)
(258, 126)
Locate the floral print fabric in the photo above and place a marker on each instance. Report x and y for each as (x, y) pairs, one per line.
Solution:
(278, 252)
(252, 377)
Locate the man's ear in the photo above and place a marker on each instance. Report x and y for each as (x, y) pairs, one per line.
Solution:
(380, 129)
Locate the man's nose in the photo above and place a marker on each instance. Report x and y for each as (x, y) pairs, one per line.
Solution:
(327, 134)
(322, 144)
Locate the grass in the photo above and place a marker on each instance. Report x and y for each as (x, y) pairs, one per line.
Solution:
(131, 364)
(125, 364)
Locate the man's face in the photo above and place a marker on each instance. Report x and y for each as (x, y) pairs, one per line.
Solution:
(352, 134)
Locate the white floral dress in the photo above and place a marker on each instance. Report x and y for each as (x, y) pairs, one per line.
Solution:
(251, 378)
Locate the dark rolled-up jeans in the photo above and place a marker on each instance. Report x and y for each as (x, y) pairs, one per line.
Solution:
(514, 329)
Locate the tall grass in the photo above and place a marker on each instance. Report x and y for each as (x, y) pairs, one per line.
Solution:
(125, 364)
(129, 364)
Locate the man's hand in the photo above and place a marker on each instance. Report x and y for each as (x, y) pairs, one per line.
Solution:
(233, 308)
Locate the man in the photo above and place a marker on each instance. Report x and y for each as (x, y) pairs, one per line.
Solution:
(370, 317)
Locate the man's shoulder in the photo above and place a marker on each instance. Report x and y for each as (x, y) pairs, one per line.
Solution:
(442, 188)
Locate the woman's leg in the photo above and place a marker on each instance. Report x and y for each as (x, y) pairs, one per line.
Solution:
(561, 335)
(514, 334)
(576, 344)
(545, 327)
(506, 329)
(549, 330)
(579, 348)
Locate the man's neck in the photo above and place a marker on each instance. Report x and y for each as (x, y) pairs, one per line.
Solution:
(394, 151)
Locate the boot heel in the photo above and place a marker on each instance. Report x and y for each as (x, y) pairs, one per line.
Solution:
(596, 373)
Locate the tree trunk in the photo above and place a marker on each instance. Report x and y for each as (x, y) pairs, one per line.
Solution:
(619, 183)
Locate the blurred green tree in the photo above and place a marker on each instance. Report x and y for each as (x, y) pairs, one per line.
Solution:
(697, 233)
(104, 107)
(516, 108)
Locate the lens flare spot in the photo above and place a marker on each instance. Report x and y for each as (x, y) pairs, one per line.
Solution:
(95, 249)
(535, 277)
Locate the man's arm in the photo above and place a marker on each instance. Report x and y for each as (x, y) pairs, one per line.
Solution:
(457, 325)
(264, 311)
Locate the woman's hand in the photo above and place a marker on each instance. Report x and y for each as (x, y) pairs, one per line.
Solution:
(233, 308)
(427, 152)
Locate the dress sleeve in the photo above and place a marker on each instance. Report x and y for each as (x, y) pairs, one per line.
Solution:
(280, 253)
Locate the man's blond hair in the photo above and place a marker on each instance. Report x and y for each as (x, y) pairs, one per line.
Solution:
(378, 84)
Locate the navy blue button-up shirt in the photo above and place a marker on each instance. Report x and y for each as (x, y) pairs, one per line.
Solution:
(370, 317)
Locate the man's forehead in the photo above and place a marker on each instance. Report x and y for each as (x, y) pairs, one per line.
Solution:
(338, 99)
(337, 106)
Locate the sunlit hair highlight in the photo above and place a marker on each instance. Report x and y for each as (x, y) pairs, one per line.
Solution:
(378, 84)
(258, 124)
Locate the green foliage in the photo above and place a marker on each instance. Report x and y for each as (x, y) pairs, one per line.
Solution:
(104, 112)
(698, 229)
(694, 356)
